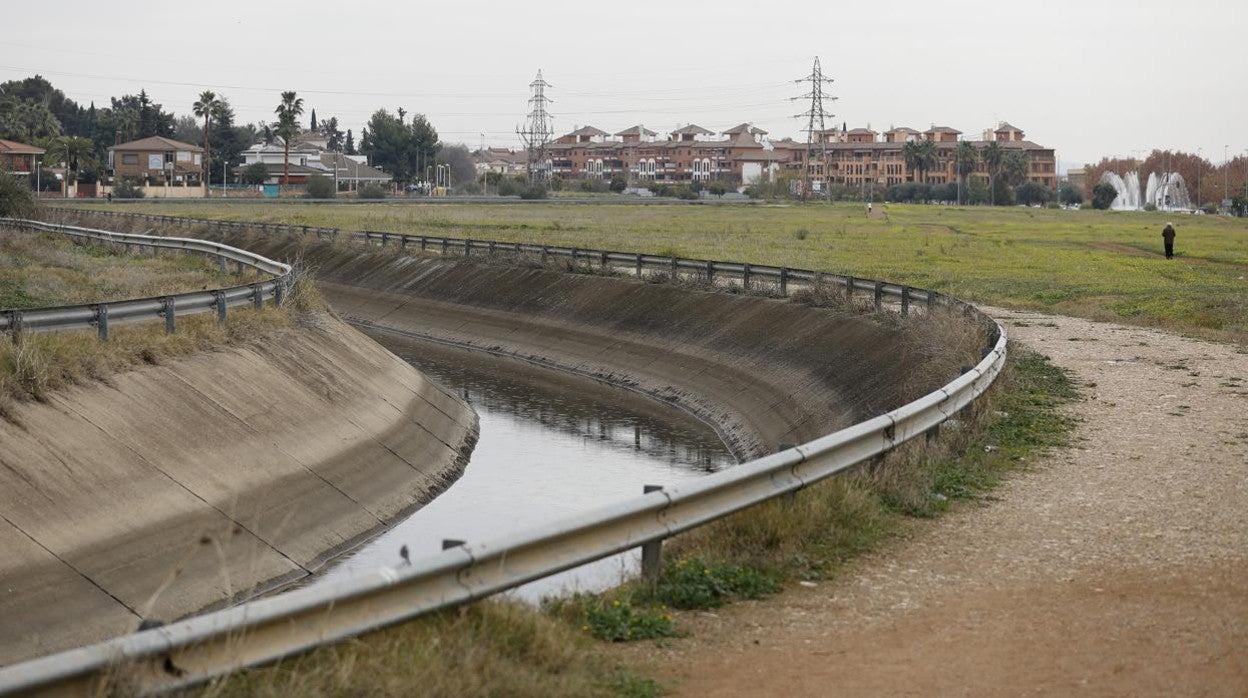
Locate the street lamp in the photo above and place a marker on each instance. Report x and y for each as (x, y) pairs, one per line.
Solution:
(1226, 171)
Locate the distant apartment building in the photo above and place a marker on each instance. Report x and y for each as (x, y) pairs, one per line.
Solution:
(743, 153)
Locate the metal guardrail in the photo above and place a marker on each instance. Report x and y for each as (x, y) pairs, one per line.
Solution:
(707, 269)
(101, 315)
(199, 648)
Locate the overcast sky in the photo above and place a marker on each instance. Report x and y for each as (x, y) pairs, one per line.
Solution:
(1087, 77)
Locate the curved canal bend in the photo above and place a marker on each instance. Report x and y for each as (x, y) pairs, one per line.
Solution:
(550, 445)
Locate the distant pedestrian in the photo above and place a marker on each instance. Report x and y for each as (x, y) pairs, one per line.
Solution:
(110, 197)
(1168, 236)
(868, 209)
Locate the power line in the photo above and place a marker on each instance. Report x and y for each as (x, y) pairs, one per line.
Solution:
(815, 116)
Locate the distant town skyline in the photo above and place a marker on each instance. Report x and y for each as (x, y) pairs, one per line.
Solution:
(1088, 79)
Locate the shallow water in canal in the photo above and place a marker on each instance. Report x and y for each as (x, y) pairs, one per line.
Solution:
(551, 445)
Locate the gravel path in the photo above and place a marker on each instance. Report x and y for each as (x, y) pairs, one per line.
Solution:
(1118, 566)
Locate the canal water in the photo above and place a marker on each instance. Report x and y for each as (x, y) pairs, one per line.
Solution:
(551, 445)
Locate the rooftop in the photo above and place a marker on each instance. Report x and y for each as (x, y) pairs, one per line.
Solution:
(19, 148)
(157, 143)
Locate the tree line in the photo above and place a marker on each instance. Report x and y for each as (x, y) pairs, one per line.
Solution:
(33, 111)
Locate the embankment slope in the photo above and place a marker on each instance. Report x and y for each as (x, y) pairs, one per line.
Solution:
(762, 371)
(175, 487)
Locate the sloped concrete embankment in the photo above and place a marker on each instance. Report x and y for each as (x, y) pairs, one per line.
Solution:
(761, 371)
(174, 487)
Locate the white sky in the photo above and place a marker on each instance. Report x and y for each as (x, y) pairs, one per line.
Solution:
(1087, 77)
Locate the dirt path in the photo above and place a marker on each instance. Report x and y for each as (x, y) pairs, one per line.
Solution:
(1116, 567)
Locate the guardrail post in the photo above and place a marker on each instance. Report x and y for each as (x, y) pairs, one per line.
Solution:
(602, 260)
(543, 255)
(784, 281)
(101, 321)
(171, 313)
(745, 277)
(385, 238)
(931, 300)
(238, 268)
(652, 552)
(710, 272)
(905, 300)
(219, 302)
(879, 296)
(423, 242)
(849, 292)
(257, 297)
(932, 434)
(467, 247)
(637, 261)
(675, 270)
(221, 264)
(403, 242)
(279, 291)
(445, 246)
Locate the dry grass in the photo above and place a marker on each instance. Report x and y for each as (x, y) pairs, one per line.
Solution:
(493, 648)
(46, 270)
(40, 270)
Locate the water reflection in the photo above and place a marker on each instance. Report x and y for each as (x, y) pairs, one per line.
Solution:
(551, 445)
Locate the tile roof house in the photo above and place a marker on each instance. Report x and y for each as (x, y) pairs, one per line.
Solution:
(158, 160)
(18, 158)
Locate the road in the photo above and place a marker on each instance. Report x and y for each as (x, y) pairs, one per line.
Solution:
(1118, 566)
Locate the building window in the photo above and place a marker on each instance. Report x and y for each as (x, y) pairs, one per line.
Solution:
(129, 158)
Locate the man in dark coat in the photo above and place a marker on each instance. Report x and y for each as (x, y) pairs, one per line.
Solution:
(1168, 236)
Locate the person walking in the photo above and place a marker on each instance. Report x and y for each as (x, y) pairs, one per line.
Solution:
(1168, 236)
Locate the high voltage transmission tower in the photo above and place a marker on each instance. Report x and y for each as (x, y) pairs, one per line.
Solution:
(815, 123)
(536, 130)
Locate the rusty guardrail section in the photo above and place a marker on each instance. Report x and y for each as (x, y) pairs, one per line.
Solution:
(202, 647)
(101, 315)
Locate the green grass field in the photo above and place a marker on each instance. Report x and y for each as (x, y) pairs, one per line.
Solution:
(1096, 264)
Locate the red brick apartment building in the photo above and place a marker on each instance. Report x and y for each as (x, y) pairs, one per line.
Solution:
(742, 153)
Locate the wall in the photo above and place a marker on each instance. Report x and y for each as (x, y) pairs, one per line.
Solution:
(219, 475)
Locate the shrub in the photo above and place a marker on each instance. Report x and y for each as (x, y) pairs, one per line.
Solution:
(255, 173)
(619, 182)
(685, 192)
(1103, 195)
(16, 198)
(595, 186)
(127, 189)
(319, 187)
(1032, 194)
(614, 618)
(535, 191)
(372, 190)
(718, 187)
(1069, 194)
(695, 583)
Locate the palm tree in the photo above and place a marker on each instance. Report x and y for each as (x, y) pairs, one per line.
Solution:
(207, 107)
(74, 152)
(910, 153)
(1015, 166)
(992, 155)
(964, 157)
(287, 126)
(927, 157)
